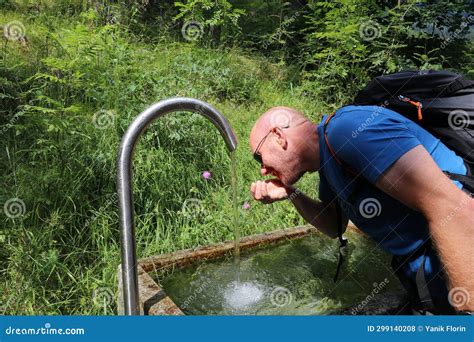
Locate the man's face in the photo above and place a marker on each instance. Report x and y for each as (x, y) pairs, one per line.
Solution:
(285, 143)
(279, 156)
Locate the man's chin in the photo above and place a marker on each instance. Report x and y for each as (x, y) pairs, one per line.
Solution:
(290, 181)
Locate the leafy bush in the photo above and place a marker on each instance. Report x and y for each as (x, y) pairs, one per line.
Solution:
(347, 43)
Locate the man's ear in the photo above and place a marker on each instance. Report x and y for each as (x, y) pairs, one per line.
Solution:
(280, 136)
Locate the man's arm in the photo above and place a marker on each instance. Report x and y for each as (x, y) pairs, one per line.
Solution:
(319, 214)
(416, 180)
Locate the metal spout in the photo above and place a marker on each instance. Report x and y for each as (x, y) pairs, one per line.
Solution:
(124, 182)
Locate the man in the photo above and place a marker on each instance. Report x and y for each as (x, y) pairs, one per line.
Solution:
(402, 199)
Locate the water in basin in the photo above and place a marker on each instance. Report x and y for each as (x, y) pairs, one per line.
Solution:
(291, 278)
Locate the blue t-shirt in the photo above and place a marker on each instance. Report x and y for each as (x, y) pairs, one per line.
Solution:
(370, 139)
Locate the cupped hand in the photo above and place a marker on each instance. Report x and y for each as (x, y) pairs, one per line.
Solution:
(269, 191)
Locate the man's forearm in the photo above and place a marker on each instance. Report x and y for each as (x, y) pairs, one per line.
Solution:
(416, 181)
(316, 213)
(453, 233)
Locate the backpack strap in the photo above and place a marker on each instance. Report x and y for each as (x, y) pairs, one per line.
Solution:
(360, 182)
(466, 181)
(426, 301)
(343, 164)
(417, 289)
(342, 241)
(458, 84)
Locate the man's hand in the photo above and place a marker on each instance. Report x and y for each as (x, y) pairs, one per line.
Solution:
(321, 215)
(269, 191)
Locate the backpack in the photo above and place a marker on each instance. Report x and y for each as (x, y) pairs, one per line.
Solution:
(441, 102)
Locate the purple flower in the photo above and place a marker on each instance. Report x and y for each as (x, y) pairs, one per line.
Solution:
(246, 206)
(206, 175)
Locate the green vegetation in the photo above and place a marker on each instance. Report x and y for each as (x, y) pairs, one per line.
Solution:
(81, 71)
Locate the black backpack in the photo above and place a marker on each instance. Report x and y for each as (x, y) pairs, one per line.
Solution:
(442, 102)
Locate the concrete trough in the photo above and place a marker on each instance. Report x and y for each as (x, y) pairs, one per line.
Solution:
(153, 298)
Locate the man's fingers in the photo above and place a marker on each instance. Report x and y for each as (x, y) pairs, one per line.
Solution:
(253, 190)
(264, 190)
(258, 191)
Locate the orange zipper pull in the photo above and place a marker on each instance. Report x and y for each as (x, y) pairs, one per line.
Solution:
(417, 104)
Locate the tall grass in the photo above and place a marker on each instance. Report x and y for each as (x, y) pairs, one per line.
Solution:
(69, 91)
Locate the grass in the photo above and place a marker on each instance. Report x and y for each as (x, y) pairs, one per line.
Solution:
(68, 93)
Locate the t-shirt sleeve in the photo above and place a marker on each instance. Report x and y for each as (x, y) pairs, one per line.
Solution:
(326, 195)
(370, 140)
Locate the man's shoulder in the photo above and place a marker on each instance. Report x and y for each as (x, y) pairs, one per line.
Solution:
(370, 138)
(353, 111)
(351, 120)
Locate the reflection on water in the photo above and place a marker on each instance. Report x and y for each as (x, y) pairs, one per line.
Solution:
(293, 278)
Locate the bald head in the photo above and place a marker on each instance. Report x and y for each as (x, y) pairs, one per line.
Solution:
(282, 117)
(285, 140)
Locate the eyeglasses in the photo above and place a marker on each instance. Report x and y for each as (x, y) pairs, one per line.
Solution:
(256, 155)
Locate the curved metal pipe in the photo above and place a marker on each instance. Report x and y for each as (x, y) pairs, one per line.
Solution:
(124, 182)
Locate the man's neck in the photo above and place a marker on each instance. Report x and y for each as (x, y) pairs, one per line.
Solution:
(312, 152)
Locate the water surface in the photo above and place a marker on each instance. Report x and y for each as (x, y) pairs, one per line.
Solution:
(291, 278)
